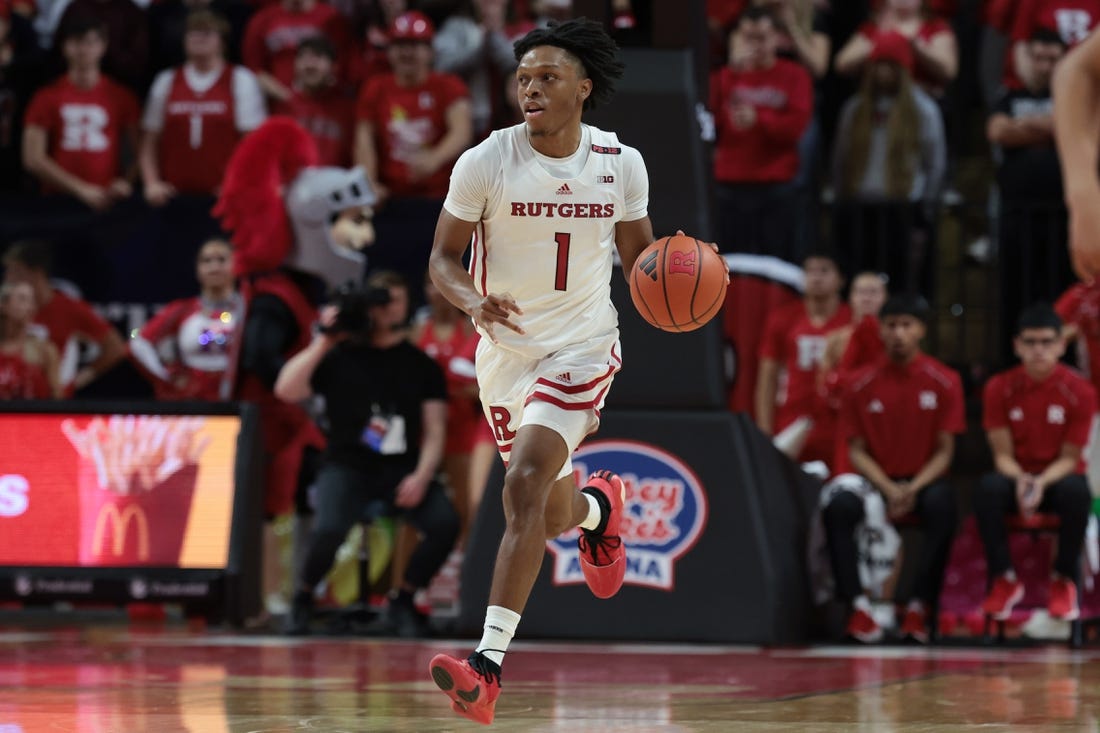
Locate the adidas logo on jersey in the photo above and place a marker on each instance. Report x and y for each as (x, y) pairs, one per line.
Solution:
(564, 190)
(564, 377)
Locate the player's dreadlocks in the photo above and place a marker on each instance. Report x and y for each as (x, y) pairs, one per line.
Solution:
(593, 48)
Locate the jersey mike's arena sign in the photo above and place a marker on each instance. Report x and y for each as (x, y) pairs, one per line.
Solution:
(664, 515)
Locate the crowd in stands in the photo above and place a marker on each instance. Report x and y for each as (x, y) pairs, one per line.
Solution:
(108, 105)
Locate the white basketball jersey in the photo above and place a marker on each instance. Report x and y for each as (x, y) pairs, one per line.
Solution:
(547, 241)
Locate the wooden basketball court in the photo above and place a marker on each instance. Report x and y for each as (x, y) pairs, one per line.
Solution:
(115, 680)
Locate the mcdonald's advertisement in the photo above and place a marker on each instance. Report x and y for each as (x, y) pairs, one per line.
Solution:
(116, 490)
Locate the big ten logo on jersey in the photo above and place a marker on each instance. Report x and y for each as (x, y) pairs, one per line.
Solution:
(14, 495)
(665, 512)
(811, 350)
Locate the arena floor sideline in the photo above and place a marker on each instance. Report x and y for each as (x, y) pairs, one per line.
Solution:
(122, 680)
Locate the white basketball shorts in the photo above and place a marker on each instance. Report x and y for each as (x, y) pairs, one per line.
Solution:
(563, 391)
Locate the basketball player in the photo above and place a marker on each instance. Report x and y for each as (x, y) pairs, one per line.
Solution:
(544, 201)
(1077, 133)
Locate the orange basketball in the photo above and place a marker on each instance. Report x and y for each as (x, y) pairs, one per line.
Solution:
(678, 283)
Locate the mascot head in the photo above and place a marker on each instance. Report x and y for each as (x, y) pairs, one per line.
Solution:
(286, 211)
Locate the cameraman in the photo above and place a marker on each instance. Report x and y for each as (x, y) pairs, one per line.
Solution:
(386, 406)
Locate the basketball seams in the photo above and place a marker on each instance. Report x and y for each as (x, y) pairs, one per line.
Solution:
(664, 283)
(698, 277)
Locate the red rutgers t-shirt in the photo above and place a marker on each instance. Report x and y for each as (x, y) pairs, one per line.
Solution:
(272, 36)
(1073, 20)
(1041, 416)
(798, 345)
(791, 339)
(408, 120)
(329, 118)
(84, 126)
(783, 99)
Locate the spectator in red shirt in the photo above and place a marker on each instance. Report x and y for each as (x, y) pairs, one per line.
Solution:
(320, 103)
(272, 36)
(185, 348)
(195, 114)
(76, 127)
(762, 105)
(889, 159)
(935, 50)
(1072, 20)
(65, 321)
(28, 364)
(412, 124)
(1037, 417)
(794, 341)
(900, 418)
(126, 57)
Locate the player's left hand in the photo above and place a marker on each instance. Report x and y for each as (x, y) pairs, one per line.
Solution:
(714, 247)
(411, 490)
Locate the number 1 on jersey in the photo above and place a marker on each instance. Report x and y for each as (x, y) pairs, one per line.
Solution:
(561, 275)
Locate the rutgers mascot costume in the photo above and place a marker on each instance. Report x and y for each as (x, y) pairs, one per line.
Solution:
(297, 229)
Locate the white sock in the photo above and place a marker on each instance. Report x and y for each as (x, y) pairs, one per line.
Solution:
(595, 516)
(862, 603)
(1010, 575)
(500, 627)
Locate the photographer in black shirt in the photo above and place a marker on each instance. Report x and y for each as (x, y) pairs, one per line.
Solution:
(386, 408)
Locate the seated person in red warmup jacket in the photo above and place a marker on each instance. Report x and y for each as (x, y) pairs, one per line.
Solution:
(900, 417)
(794, 342)
(1037, 417)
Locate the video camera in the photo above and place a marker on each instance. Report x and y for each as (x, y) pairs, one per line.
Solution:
(352, 302)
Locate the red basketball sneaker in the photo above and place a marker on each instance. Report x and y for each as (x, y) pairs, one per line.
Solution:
(473, 684)
(603, 554)
(1063, 600)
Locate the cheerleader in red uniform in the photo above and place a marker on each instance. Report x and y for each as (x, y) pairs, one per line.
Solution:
(28, 364)
(445, 335)
(185, 348)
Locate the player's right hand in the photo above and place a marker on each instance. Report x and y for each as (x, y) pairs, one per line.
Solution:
(1084, 239)
(494, 309)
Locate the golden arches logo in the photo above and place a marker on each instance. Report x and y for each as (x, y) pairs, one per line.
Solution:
(120, 523)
